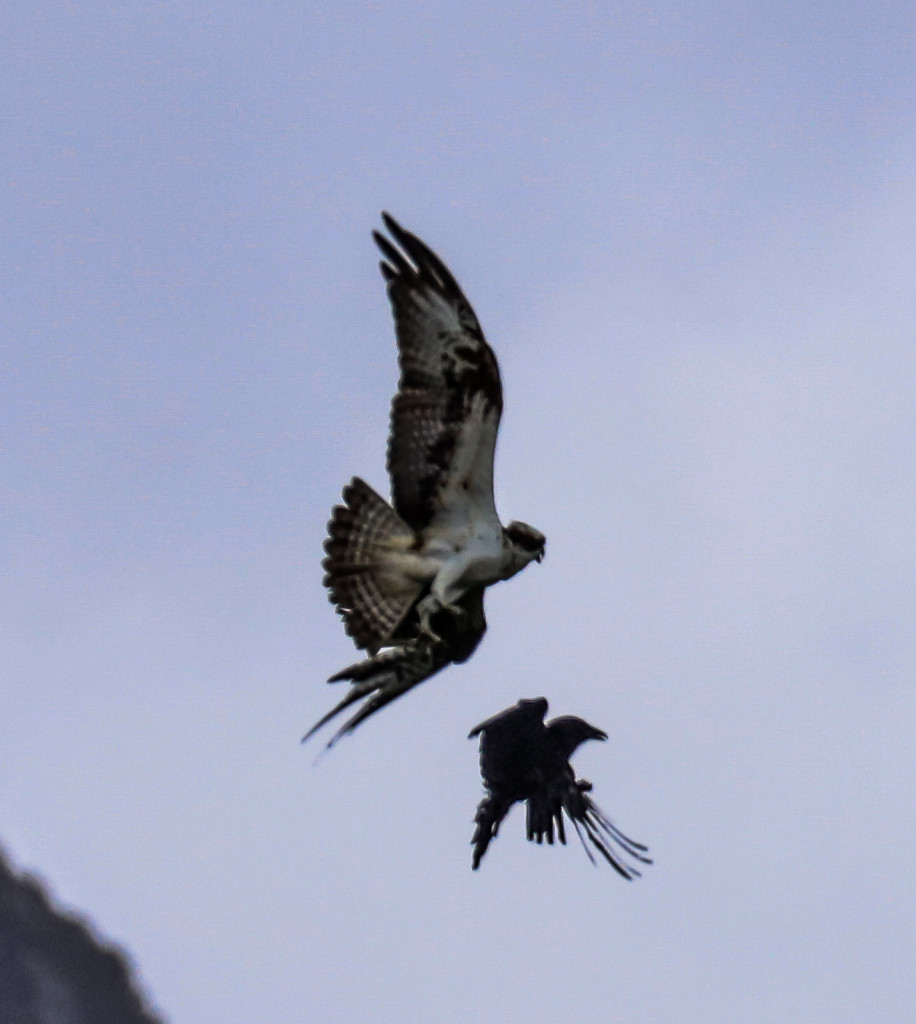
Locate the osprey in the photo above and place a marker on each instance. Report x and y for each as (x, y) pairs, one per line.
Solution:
(408, 578)
(521, 758)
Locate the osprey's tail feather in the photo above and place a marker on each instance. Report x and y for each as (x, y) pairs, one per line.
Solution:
(397, 669)
(371, 598)
(382, 678)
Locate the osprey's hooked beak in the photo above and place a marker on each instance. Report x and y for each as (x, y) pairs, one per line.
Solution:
(525, 538)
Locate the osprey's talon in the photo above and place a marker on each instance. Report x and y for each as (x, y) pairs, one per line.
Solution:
(426, 609)
(431, 606)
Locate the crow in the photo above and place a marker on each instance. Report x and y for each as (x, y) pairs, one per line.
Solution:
(522, 758)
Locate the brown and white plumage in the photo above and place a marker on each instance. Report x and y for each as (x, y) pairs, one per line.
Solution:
(403, 576)
(445, 415)
(524, 759)
(396, 669)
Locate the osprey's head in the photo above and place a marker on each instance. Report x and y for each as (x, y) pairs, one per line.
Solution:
(527, 543)
(568, 732)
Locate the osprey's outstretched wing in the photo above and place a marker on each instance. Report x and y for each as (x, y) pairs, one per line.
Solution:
(522, 759)
(395, 670)
(445, 415)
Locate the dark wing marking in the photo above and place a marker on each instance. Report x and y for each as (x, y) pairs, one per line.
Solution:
(395, 670)
(445, 415)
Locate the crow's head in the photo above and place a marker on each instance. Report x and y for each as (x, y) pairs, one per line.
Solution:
(568, 732)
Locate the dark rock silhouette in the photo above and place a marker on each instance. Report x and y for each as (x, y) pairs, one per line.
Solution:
(53, 968)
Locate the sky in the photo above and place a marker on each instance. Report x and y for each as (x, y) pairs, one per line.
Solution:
(687, 230)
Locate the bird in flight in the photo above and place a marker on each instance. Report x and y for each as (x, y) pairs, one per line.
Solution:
(408, 578)
(524, 759)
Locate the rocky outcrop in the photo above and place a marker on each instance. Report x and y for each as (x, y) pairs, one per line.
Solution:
(53, 968)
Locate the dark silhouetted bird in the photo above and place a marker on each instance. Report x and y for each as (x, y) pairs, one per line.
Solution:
(522, 758)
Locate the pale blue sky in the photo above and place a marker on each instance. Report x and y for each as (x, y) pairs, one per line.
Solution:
(688, 232)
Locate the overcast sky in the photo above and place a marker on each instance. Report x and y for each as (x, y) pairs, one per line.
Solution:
(688, 231)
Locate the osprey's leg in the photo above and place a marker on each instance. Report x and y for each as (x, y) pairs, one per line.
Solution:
(431, 606)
